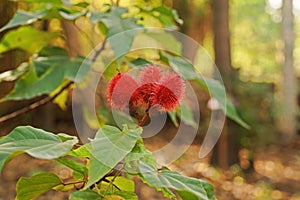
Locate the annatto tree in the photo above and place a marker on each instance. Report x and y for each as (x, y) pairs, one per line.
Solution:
(103, 167)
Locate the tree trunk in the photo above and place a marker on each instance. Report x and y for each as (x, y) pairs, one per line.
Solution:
(287, 105)
(225, 153)
(72, 38)
(197, 23)
(7, 10)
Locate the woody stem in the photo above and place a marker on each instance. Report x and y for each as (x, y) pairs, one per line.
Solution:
(144, 119)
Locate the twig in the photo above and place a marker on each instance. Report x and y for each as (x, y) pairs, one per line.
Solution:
(33, 105)
(143, 120)
(97, 52)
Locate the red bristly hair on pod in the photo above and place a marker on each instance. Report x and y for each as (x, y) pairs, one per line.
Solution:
(169, 92)
(150, 74)
(144, 94)
(153, 90)
(111, 85)
(120, 90)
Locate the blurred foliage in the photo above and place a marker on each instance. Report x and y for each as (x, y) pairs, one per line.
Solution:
(255, 41)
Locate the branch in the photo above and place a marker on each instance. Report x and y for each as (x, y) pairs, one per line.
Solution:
(97, 52)
(33, 105)
(49, 98)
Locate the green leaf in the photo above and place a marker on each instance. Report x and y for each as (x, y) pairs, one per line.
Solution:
(165, 41)
(26, 38)
(173, 117)
(81, 152)
(169, 179)
(85, 195)
(187, 115)
(212, 86)
(139, 62)
(48, 74)
(139, 153)
(187, 195)
(30, 85)
(121, 195)
(75, 166)
(167, 16)
(58, 58)
(217, 91)
(116, 24)
(30, 188)
(181, 66)
(109, 147)
(36, 142)
(14, 74)
(121, 182)
(22, 17)
(69, 14)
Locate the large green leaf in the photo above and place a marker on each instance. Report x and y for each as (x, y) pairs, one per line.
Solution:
(30, 188)
(162, 40)
(82, 151)
(85, 195)
(30, 85)
(36, 142)
(167, 16)
(169, 179)
(139, 153)
(22, 17)
(58, 57)
(217, 91)
(125, 28)
(97, 170)
(214, 87)
(48, 73)
(26, 38)
(47, 10)
(187, 115)
(109, 147)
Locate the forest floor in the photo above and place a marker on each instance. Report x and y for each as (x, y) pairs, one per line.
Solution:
(272, 174)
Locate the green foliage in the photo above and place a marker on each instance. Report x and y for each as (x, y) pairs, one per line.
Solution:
(255, 45)
(108, 149)
(117, 25)
(22, 17)
(85, 195)
(174, 180)
(47, 73)
(36, 142)
(30, 188)
(27, 39)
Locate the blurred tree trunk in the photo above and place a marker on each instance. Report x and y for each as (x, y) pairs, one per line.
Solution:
(197, 22)
(7, 9)
(287, 105)
(225, 152)
(72, 38)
